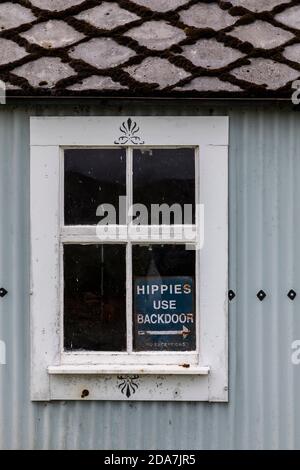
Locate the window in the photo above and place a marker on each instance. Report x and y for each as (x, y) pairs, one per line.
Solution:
(129, 258)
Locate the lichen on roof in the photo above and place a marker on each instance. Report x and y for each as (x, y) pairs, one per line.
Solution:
(234, 48)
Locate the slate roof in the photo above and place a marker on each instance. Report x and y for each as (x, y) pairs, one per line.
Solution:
(234, 48)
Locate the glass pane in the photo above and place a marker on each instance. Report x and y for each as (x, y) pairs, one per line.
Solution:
(164, 298)
(165, 176)
(94, 297)
(93, 177)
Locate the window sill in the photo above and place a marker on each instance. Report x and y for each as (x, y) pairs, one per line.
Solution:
(128, 369)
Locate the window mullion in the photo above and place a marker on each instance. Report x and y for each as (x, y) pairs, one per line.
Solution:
(129, 194)
(199, 228)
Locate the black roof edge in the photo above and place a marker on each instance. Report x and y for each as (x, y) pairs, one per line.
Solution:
(114, 100)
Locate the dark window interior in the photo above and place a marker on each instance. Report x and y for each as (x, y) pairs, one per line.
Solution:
(94, 297)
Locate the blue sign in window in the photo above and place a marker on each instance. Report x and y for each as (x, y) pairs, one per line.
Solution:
(164, 314)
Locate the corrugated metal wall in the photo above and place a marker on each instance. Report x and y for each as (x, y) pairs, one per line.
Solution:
(264, 408)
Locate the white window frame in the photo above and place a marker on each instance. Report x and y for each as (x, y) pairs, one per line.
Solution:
(60, 375)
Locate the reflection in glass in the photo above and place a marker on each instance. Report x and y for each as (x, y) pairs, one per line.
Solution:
(93, 177)
(94, 297)
(164, 176)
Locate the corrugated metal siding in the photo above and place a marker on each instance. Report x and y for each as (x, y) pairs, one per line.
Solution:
(264, 410)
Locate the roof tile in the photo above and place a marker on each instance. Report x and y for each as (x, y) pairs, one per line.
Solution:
(107, 16)
(209, 84)
(210, 54)
(156, 70)
(262, 35)
(266, 72)
(55, 5)
(292, 53)
(161, 5)
(101, 53)
(257, 5)
(207, 15)
(157, 35)
(96, 82)
(44, 72)
(52, 34)
(11, 51)
(290, 17)
(13, 15)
